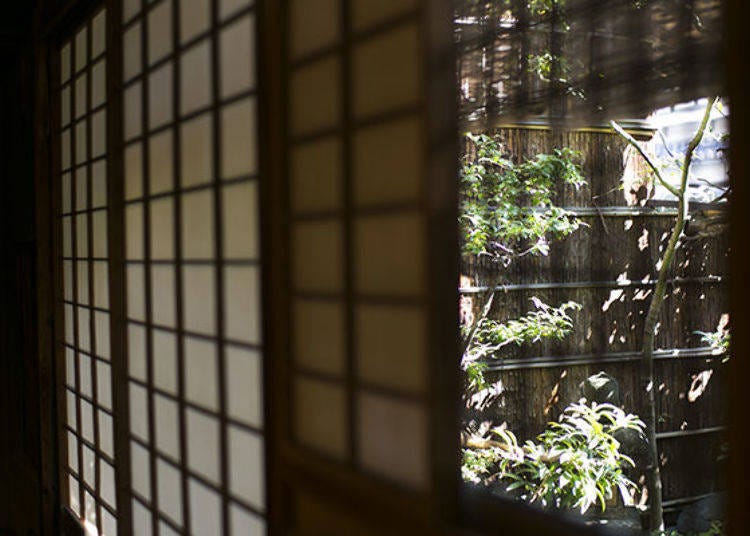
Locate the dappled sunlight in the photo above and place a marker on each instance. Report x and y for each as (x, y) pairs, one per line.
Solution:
(699, 385)
(614, 295)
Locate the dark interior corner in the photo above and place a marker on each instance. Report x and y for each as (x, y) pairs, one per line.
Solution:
(20, 494)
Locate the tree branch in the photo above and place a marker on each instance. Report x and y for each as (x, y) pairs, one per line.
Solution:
(631, 140)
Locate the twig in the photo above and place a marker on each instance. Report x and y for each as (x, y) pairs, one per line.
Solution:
(631, 140)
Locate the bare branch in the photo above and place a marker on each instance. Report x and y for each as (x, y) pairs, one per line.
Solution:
(631, 140)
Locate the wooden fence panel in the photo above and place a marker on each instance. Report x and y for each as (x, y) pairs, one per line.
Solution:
(609, 267)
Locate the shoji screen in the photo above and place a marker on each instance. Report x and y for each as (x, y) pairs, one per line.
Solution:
(356, 142)
(87, 424)
(192, 267)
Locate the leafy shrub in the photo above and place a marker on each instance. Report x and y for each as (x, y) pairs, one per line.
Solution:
(546, 322)
(507, 209)
(574, 463)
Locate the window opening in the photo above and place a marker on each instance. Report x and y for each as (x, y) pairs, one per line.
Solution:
(573, 218)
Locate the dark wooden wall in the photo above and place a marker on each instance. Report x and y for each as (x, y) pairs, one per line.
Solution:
(618, 243)
(20, 491)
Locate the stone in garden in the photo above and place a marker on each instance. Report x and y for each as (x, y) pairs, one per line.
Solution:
(601, 388)
(697, 517)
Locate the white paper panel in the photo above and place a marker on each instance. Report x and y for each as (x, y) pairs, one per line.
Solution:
(167, 530)
(319, 336)
(67, 232)
(136, 290)
(387, 163)
(139, 411)
(205, 510)
(163, 306)
(198, 235)
(98, 134)
(195, 16)
(140, 475)
(70, 408)
(72, 452)
(246, 467)
(104, 384)
(199, 295)
(65, 63)
(106, 434)
(133, 171)
(165, 360)
(99, 184)
(87, 421)
(109, 524)
(131, 49)
(244, 385)
(82, 267)
(90, 508)
(99, 230)
(73, 490)
(82, 235)
(66, 196)
(81, 48)
(393, 439)
(203, 445)
(159, 31)
(313, 24)
(84, 373)
(132, 111)
(242, 311)
(81, 150)
(65, 150)
(318, 256)
(246, 523)
(366, 13)
(196, 151)
(166, 413)
(392, 57)
(81, 188)
(195, 77)
(315, 97)
(320, 416)
(230, 7)
(201, 373)
(134, 231)
(162, 229)
(69, 327)
(240, 221)
(80, 93)
(68, 280)
(160, 166)
(141, 520)
(390, 254)
(107, 476)
(98, 34)
(137, 351)
(101, 326)
(316, 176)
(160, 96)
(70, 367)
(239, 139)
(84, 329)
(101, 284)
(89, 471)
(237, 56)
(130, 8)
(65, 104)
(98, 83)
(169, 490)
